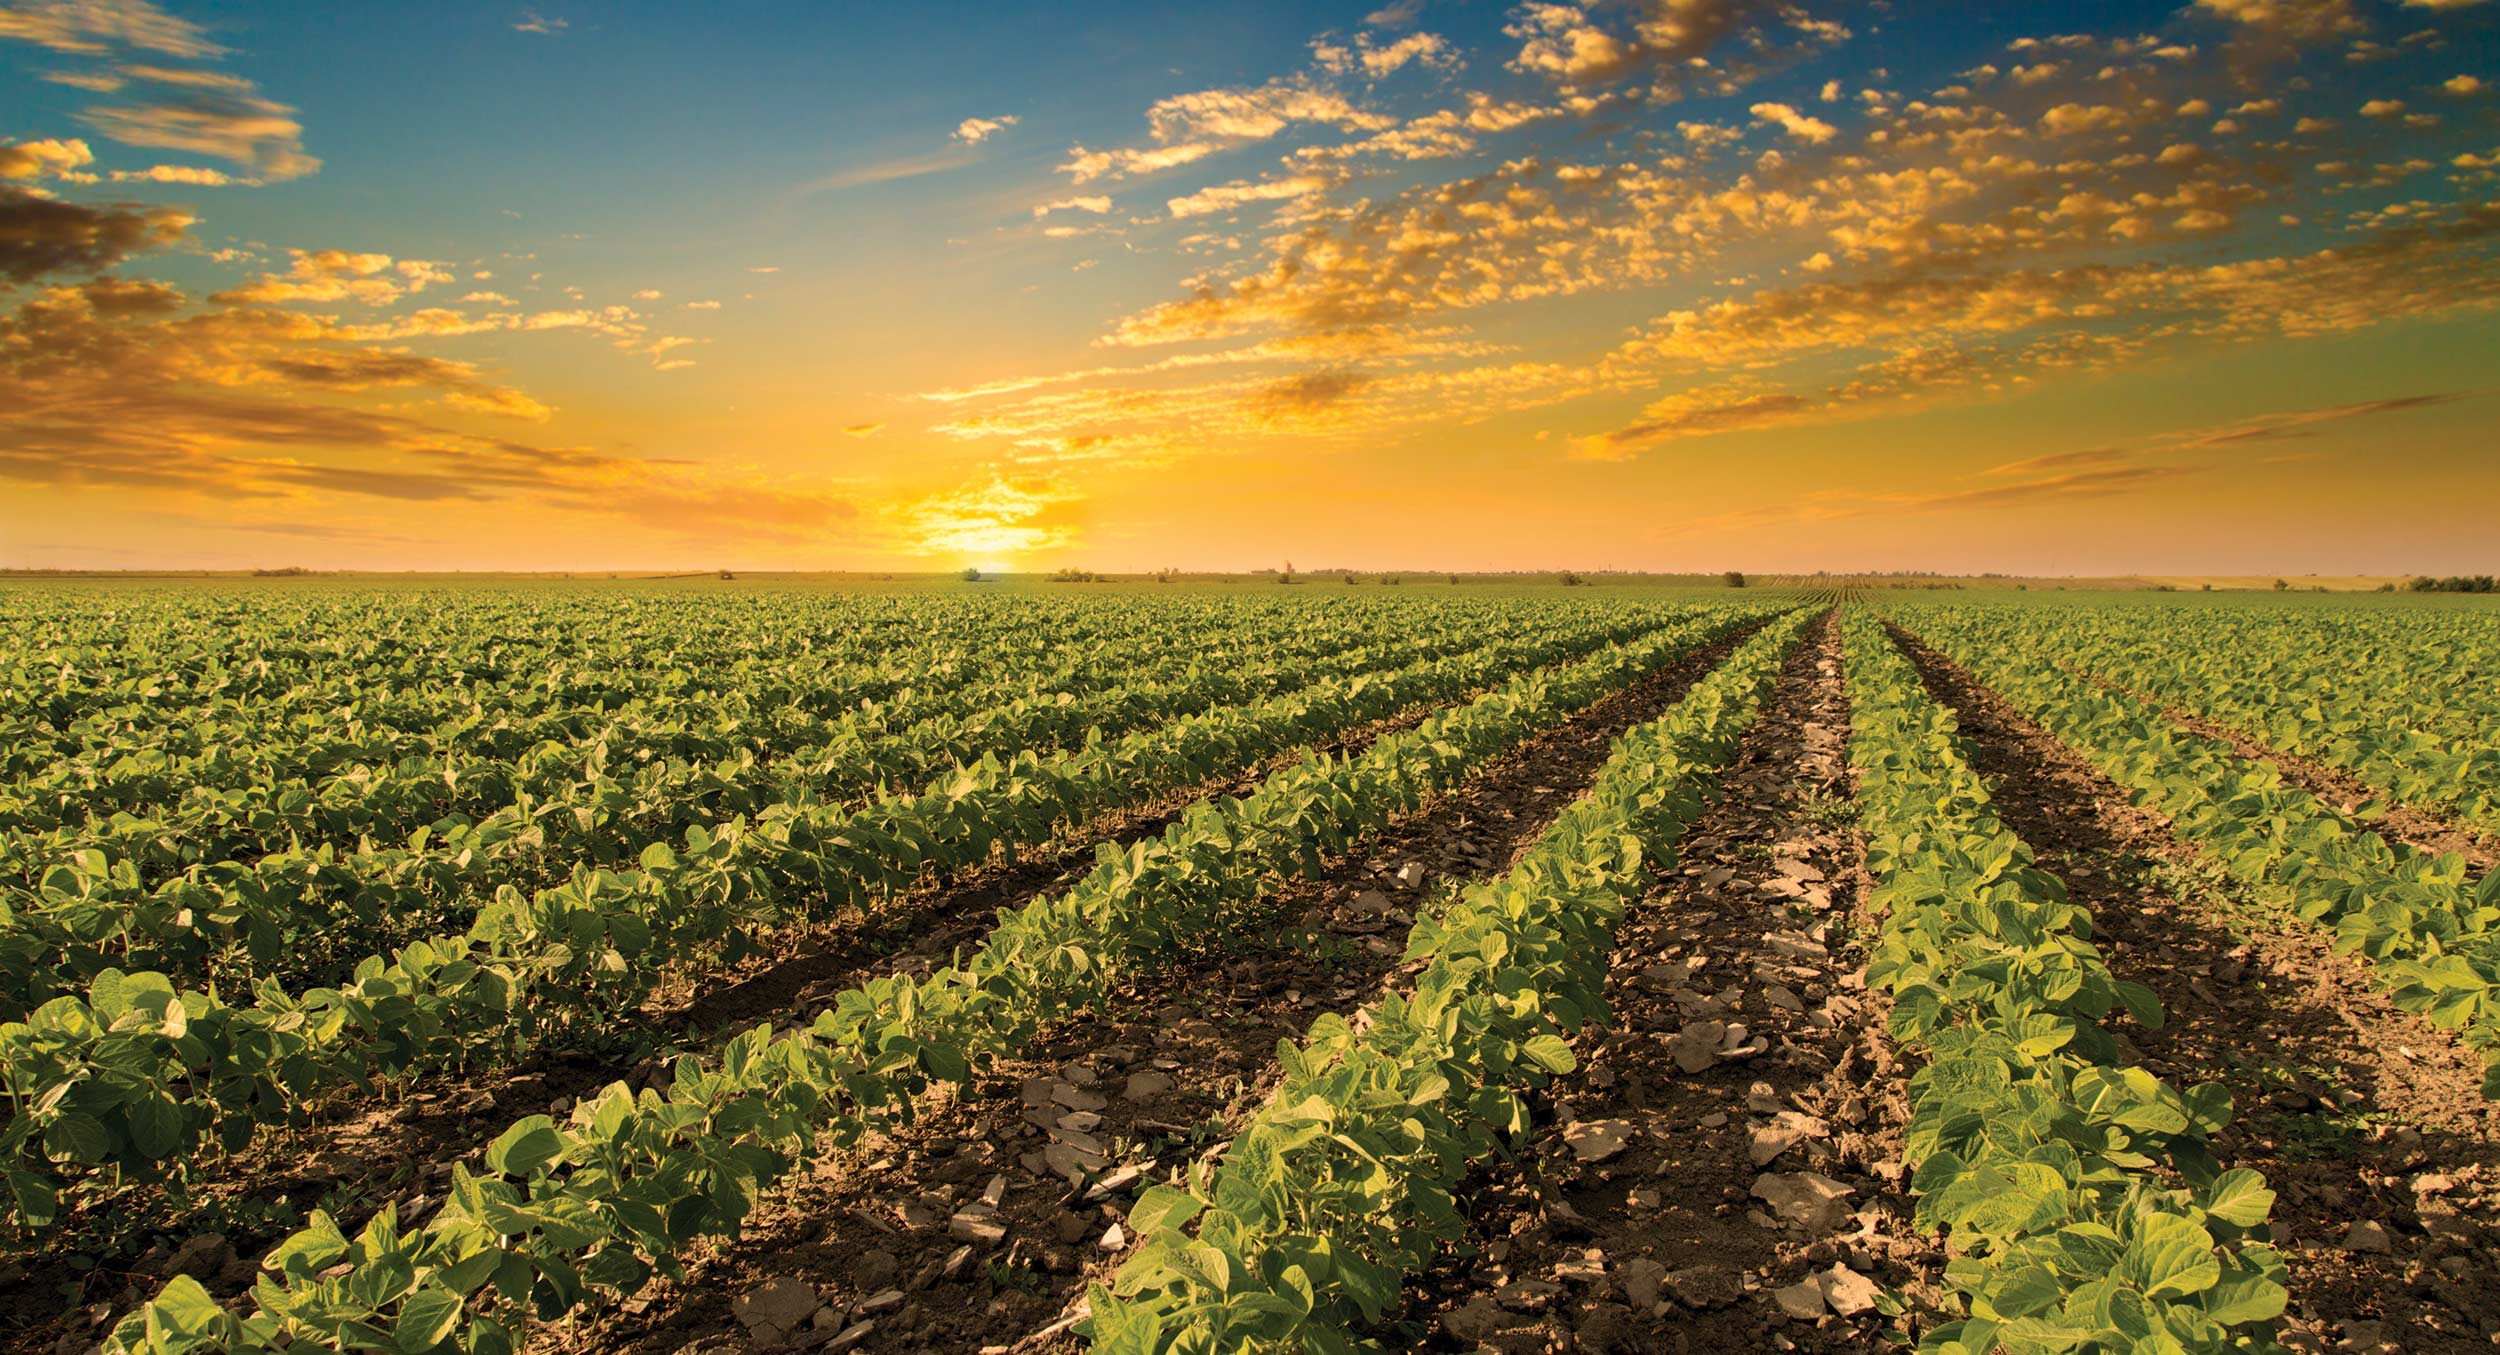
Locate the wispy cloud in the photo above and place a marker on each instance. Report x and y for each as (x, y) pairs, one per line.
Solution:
(974, 131)
(883, 171)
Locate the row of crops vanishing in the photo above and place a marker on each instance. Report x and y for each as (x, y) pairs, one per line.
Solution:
(2401, 695)
(2426, 930)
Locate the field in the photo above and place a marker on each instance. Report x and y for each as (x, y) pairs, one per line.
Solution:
(708, 965)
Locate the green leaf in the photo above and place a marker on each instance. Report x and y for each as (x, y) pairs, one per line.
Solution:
(1162, 1208)
(2236, 1300)
(155, 1127)
(426, 1320)
(1549, 1053)
(78, 1137)
(2239, 1197)
(526, 1147)
(2172, 1257)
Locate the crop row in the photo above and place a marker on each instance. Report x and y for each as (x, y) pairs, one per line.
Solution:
(2403, 701)
(1342, 1184)
(598, 798)
(2424, 930)
(254, 789)
(310, 916)
(279, 691)
(137, 1075)
(2085, 1208)
(601, 1202)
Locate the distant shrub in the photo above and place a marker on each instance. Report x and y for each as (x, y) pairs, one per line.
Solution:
(1571, 580)
(1074, 576)
(971, 574)
(2455, 583)
(1734, 578)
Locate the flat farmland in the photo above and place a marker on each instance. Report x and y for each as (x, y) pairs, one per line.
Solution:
(720, 965)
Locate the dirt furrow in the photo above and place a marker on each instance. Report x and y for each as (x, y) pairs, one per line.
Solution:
(2368, 1122)
(981, 1223)
(1723, 1172)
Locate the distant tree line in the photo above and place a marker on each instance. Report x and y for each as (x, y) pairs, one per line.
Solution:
(2455, 583)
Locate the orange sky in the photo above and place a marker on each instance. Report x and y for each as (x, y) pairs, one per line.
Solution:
(1646, 284)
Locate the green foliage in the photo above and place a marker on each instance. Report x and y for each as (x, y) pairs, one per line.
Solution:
(2085, 1207)
(558, 1213)
(2423, 930)
(587, 950)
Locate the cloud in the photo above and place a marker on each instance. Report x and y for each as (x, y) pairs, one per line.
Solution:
(30, 160)
(1676, 45)
(325, 275)
(2297, 20)
(1088, 203)
(1378, 60)
(2059, 461)
(1186, 128)
(219, 117)
(40, 236)
(95, 27)
(974, 131)
(98, 82)
(1225, 197)
(2297, 423)
(110, 385)
(2087, 484)
(884, 171)
(192, 175)
(863, 430)
(531, 21)
(1811, 130)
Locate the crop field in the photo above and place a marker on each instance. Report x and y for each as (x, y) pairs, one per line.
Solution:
(698, 967)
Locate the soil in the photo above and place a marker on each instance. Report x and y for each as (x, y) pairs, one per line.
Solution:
(979, 1225)
(2367, 1122)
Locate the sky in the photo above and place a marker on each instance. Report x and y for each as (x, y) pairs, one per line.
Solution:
(1776, 285)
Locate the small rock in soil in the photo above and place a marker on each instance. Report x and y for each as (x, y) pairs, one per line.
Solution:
(1786, 1130)
(2368, 1236)
(1642, 1279)
(780, 1303)
(1807, 1201)
(1802, 1300)
(1597, 1140)
(1848, 1292)
(874, 1270)
(1703, 1287)
(1473, 1323)
(1143, 1085)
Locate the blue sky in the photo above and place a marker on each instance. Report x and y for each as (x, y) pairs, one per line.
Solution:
(838, 285)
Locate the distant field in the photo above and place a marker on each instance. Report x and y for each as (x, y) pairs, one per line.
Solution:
(414, 964)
